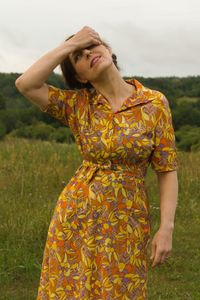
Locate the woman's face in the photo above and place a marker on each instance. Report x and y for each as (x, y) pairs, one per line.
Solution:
(90, 62)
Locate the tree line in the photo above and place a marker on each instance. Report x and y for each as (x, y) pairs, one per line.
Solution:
(19, 117)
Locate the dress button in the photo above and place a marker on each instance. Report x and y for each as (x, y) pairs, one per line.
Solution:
(114, 167)
(111, 133)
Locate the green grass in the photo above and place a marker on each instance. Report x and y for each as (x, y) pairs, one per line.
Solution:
(33, 173)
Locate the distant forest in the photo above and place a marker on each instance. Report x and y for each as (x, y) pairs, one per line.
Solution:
(20, 118)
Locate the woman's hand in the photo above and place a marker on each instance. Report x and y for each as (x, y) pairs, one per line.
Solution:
(84, 38)
(161, 246)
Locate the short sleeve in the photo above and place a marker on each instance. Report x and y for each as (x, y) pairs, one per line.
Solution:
(61, 104)
(164, 156)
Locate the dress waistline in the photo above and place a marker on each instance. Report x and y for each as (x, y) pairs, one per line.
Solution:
(108, 165)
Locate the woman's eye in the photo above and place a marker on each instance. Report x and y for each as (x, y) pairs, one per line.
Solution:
(77, 56)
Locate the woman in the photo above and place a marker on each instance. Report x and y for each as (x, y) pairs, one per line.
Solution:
(98, 237)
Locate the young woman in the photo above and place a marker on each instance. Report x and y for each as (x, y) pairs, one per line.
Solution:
(99, 234)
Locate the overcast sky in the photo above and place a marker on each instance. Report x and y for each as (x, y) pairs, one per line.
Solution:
(150, 37)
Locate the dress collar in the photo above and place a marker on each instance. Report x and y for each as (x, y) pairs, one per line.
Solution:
(140, 95)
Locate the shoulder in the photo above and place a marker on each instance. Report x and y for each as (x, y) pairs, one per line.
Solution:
(159, 105)
(158, 99)
(155, 97)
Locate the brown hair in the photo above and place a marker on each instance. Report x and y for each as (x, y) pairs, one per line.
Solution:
(68, 71)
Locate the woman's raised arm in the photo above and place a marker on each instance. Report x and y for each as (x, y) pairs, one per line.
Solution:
(32, 82)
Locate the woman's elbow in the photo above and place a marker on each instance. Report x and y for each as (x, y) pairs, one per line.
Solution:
(19, 84)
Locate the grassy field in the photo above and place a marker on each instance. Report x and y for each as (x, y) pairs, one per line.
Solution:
(33, 173)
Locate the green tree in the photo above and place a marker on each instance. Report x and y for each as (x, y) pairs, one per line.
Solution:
(2, 102)
(2, 130)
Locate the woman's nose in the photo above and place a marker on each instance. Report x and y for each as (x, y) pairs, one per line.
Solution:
(87, 52)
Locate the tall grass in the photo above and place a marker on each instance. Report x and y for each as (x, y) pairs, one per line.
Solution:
(33, 173)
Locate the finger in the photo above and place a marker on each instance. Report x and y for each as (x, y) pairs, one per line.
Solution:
(96, 37)
(153, 251)
(94, 33)
(96, 42)
(157, 259)
(164, 257)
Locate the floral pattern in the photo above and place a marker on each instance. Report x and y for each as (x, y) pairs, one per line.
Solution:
(97, 240)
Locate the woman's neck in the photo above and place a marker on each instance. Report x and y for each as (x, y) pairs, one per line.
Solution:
(113, 87)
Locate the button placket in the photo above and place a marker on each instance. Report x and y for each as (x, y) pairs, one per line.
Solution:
(111, 132)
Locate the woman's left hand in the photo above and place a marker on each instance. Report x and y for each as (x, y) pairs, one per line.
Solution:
(161, 246)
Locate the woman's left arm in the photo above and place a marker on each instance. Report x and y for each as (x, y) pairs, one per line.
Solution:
(168, 194)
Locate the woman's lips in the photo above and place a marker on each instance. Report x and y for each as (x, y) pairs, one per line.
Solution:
(94, 61)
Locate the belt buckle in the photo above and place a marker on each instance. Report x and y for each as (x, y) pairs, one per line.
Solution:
(114, 167)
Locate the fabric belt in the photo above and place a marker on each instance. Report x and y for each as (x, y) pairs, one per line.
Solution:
(108, 165)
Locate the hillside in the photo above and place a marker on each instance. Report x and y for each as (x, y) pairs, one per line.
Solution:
(20, 118)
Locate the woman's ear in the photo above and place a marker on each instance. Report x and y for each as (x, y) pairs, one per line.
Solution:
(110, 50)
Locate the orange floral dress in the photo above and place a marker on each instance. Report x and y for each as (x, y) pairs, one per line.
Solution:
(96, 245)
